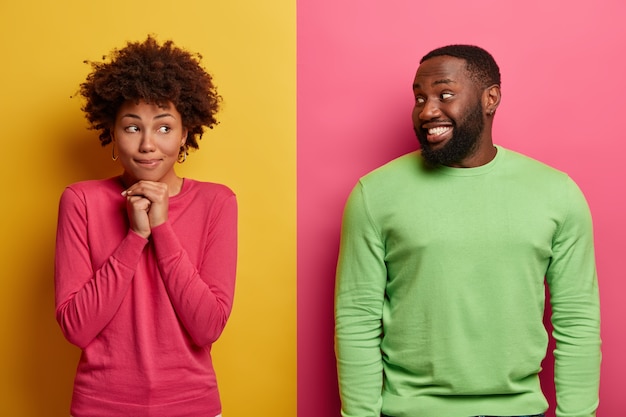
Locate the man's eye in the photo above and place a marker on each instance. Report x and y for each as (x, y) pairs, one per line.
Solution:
(445, 96)
(131, 129)
(419, 100)
(164, 129)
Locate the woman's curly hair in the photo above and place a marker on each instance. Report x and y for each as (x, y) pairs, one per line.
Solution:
(154, 73)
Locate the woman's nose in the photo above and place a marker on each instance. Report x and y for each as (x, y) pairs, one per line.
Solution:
(147, 143)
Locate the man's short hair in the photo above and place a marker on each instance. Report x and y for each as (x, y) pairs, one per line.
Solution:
(479, 63)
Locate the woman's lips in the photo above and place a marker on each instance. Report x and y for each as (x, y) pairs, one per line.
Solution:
(147, 162)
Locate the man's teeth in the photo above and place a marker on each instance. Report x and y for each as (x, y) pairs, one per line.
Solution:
(438, 130)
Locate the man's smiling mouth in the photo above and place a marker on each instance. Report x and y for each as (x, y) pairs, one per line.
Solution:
(440, 130)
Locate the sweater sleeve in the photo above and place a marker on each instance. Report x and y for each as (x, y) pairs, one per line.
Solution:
(202, 297)
(575, 311)
(359, 296)
(87, 299)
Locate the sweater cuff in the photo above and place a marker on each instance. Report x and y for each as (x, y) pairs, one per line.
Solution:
(166, 242)
(129, 251)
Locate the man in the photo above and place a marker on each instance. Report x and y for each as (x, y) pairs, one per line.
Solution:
(444, 251)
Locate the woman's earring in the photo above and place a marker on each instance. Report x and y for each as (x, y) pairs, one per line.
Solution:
(182, 154)
(113, 156)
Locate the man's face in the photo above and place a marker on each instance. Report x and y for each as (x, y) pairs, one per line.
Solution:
(448, 114)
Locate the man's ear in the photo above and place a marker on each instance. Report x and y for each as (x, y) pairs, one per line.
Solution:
(491, 99)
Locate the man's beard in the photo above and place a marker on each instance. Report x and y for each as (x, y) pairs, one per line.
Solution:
(462, 144)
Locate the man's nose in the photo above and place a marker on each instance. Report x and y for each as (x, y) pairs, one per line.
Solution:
(430, 110)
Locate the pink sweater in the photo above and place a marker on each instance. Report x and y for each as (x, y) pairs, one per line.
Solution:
(145, 312)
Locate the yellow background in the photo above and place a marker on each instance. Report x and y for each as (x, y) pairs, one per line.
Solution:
(249, 47)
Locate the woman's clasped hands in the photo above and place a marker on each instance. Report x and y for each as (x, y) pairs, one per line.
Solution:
(147, 206)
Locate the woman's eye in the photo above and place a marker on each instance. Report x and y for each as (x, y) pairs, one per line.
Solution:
(131, 129)
(164, 129)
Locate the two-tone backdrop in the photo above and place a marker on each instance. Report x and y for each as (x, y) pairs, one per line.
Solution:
(316, 94)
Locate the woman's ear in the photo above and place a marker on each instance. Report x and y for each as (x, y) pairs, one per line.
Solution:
(113, 155)
(184, 140)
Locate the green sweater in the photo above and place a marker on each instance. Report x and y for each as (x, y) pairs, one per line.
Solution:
(440, 291)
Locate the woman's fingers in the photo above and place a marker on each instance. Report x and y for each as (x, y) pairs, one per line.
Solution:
(157, 196)
(137, 208)
(156, 192)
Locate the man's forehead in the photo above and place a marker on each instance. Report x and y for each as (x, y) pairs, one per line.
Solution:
(440, 70)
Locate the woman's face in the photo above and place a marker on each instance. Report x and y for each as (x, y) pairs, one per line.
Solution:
(148, 139)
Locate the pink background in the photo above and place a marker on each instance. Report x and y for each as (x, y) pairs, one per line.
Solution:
(563, 67)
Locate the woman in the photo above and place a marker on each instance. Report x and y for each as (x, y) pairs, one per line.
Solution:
(145, 262)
